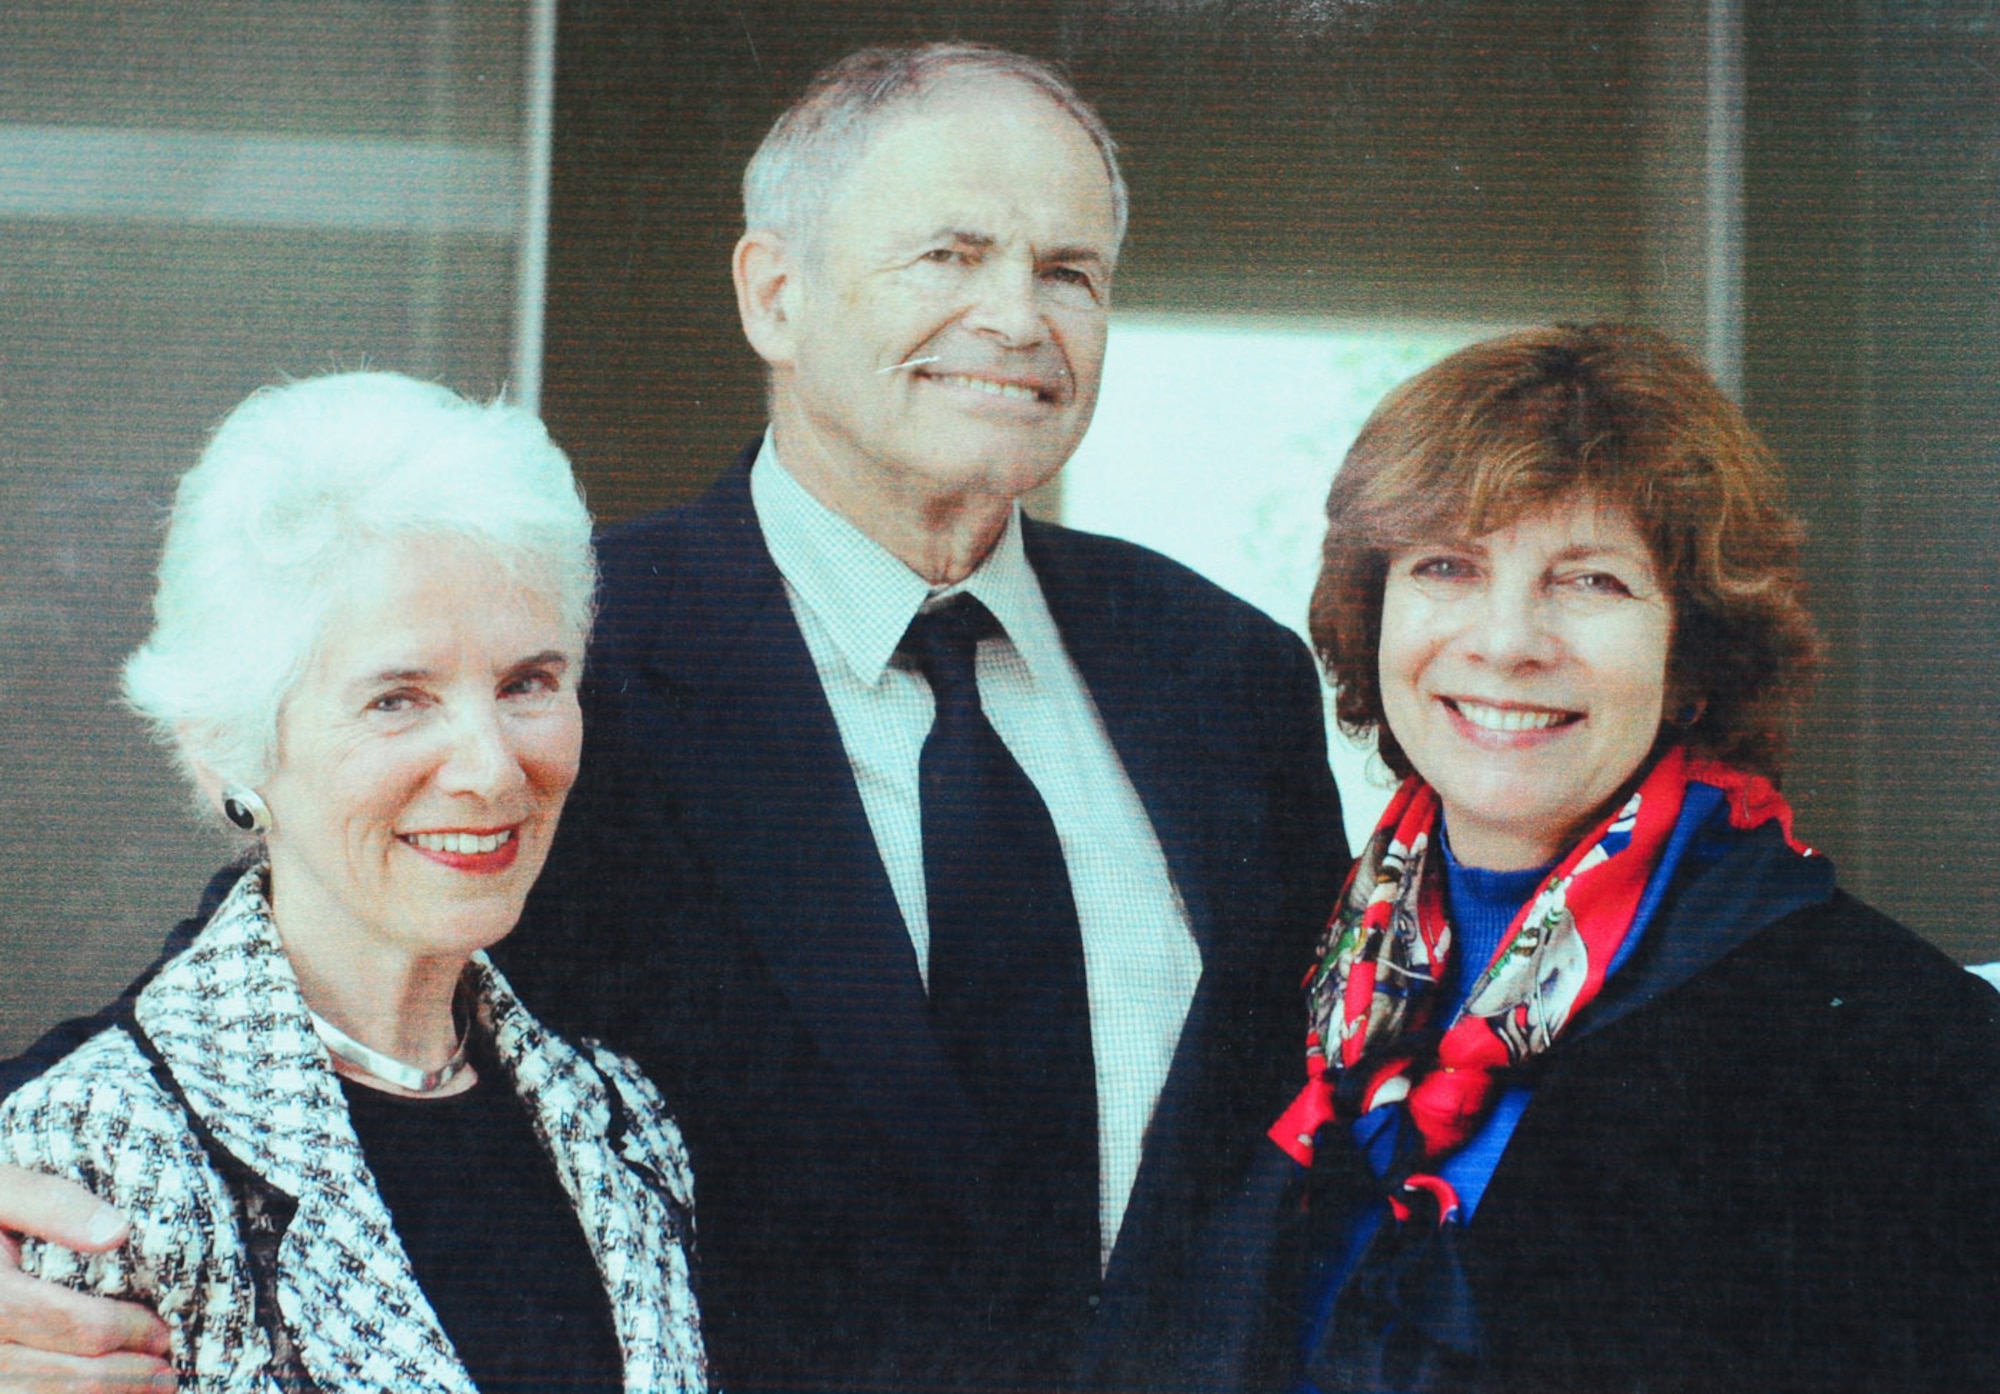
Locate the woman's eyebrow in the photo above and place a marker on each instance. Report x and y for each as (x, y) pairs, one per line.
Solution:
(1080, 254)
(1579, 551)
(547, 658)
(394, 675)
(965, 237)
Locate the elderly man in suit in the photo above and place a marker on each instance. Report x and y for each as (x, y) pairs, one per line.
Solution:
(949, 871)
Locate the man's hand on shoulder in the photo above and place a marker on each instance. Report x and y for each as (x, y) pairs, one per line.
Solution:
(52, 1338)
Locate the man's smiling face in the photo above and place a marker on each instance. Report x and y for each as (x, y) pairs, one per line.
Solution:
(973, 242)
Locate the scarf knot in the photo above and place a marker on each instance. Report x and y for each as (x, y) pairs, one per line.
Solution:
(1373, 993)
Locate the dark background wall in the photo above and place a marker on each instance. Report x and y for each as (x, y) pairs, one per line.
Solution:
(1355, 160)
(1872, 355)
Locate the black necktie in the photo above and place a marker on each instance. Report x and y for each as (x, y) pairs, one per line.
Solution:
(1008, 997)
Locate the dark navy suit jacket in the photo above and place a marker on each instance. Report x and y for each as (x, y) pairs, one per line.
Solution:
(717, 906)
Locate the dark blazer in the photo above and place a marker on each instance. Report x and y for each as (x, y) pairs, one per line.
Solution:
(717, 907)
(1765, 1161)
(1784, 1174)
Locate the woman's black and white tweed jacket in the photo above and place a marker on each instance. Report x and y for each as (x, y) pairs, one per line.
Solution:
(228, 1021)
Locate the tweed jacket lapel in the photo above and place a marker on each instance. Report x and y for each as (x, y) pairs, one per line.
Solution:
(627, 1174)
(228, 1019)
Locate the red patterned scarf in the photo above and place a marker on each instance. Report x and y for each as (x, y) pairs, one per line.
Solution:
(1389, 944)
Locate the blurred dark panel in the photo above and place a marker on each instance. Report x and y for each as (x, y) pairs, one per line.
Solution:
(1804, 248)
(1930, 518)
(1455, 159)
(1875, 369)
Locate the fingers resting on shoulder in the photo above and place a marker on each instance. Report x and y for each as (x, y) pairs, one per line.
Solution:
(52, 1338)
(63, 1212)
(25, 1371)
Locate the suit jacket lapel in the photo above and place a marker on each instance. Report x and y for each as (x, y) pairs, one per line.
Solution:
(785, 831)
(1111, 634)
(1132, 683)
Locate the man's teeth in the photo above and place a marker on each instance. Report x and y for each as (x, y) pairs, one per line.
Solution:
(465, 844)
(1508, 718)
(992, 388)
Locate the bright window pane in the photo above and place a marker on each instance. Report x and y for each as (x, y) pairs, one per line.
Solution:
(1214, 442)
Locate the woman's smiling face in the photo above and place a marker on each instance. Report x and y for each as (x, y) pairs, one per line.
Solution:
(1524, 673)
(424, 757)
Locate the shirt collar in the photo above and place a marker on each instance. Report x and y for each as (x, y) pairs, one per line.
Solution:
(863, 596)
(1005, 584)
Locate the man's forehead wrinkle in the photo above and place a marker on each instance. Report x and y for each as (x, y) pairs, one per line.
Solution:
(899, 168)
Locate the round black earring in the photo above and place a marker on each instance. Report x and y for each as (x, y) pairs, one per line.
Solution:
(246, 809)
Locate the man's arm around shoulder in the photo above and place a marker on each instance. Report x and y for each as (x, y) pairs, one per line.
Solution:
(51, 1337)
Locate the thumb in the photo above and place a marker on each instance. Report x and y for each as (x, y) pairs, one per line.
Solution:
(59, 1211)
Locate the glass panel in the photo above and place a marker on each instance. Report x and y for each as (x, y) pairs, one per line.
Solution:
(197, 199)
(1214, 442)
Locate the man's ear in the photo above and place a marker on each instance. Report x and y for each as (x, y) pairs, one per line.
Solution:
(767, 294)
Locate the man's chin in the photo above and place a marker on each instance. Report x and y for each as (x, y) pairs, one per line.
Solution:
(989, 462)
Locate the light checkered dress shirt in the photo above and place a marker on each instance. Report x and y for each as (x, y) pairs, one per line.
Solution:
(853, 601)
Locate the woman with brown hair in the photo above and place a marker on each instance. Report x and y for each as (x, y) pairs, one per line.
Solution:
(1609, 1086)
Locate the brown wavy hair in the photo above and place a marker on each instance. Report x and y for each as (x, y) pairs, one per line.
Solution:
(1609, 412)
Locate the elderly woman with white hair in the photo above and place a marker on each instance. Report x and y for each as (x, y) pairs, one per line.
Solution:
(351, 1159)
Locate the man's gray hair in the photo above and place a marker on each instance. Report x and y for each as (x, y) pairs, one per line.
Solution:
(300, 486)
(822, 136)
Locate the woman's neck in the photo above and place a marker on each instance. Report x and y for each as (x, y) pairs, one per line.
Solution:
(1482, 904)
(389, 999)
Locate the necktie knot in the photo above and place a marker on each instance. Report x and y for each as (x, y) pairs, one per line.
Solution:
(943, 644)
